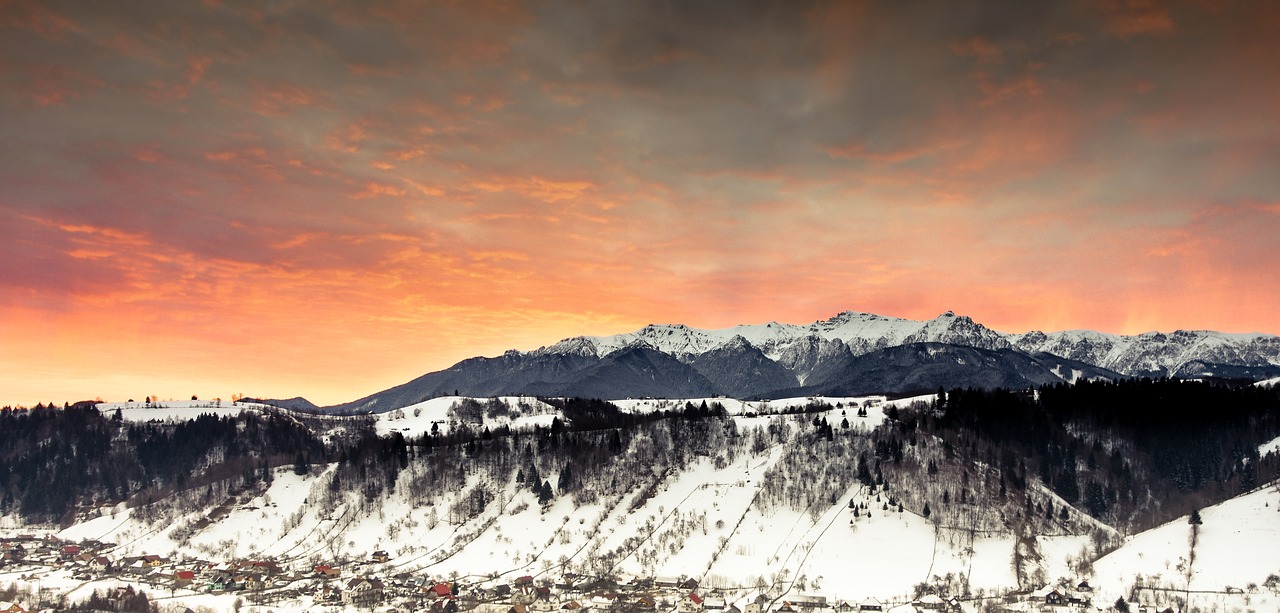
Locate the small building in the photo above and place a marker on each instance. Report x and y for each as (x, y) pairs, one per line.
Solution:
(326, 571)
(692, 603)
(543, 605)
(871, 604)
(362, 590)
(930, 602)
(380, 556)
(183, 578)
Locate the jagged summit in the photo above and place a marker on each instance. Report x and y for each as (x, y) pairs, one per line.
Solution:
(846, 351)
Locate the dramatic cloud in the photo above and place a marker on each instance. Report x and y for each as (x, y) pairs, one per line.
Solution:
(330, 198)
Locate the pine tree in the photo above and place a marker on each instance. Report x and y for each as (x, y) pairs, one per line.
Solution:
(300, 465)
(566, 479)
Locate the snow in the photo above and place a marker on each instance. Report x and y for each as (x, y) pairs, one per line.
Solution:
(1271, 447)
(1268, 382)
(178, 410)
(701, 522)
(422, 417)
(1238, 543)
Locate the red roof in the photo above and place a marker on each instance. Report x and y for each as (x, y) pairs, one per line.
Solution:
(441, 589)
(186, 574)
(695, 598)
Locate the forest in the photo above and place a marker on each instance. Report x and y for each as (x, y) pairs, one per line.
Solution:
(1130, 454)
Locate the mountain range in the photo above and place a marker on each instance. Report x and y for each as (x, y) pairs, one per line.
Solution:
(851, 353)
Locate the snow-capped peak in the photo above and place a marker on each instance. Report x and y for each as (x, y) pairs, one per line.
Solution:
(860, 333)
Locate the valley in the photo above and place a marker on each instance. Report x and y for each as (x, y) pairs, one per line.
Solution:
(804, 500)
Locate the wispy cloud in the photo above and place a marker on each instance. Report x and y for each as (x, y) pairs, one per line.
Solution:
(327, 200)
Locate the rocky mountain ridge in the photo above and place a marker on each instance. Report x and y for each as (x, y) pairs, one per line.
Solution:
(849, 353)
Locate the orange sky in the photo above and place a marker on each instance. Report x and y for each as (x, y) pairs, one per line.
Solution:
(327, 199)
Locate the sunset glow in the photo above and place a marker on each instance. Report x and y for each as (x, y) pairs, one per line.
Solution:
(328, 199)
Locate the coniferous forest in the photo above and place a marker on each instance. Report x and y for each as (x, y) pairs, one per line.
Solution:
(1131, 453)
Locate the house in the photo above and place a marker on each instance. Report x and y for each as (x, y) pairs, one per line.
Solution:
(445, 605)
(135, 565)
(222, 581)
(689, 584)
(809, 601)
(326, 571)
(543, 605)
(603, 600)
(1055, 599)
(1084, 586)
(524, 594)
(572, 605)
(871, 604)
(757, 605)
(441, 590)
(100, 563)
(380, 556)
(266, 567)
(843, 607)
(154, 561)
(183, 578)
(645, 602)
(362, 590)
(518, 608)
(328, 593)
(69, 552)
(666, 582)
(251, 581)
(11, 607)
(713, 604)
(690, 604)
(733, 609)
(930, 602)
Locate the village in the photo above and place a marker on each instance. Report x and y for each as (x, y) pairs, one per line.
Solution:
(362, 585)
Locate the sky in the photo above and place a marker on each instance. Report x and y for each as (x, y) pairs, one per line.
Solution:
(328, 198)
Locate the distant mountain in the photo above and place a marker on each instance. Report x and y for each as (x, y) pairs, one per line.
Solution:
(297, 403)
(848, 353)
(925, 367)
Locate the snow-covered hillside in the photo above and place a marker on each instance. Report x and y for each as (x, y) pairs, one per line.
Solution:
(710, 520)
(1237, 549)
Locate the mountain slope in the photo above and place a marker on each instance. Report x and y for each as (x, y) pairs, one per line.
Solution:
(738, 368)
(922, 367)
(778, 359)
